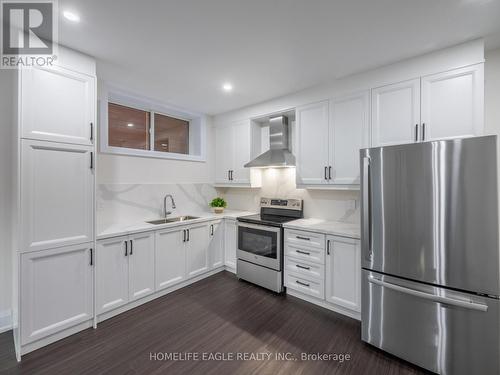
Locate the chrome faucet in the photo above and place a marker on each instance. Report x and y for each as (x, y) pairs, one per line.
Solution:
(165, 204)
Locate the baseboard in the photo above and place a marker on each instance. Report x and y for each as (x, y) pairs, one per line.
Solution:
(27, 348)
(5, 321)
(109, 314)
(319, 302)
(230, 269)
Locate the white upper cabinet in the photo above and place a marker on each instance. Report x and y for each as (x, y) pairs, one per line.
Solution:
(312, 133)
(343, 272)
(396, 113)
(57, 190)
(112, 274)
(216, 246)
(453, 103)
(197, 241)
(349, 132)
(141, 263)
(56, 291)
(233, 150)
(57, 105)
(170, 258)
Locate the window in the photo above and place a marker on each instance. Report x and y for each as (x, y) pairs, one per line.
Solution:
(171, 134)
(128, 127)
(136, 126)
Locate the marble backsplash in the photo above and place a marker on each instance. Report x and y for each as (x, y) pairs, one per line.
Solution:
(334, 205)
(124, 203)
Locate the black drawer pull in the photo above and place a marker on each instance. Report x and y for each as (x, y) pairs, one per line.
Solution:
(303, 267)
(301, 283)
(303, 238)
(303, 252)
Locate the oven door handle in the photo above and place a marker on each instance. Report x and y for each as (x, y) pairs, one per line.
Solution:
(262, 227)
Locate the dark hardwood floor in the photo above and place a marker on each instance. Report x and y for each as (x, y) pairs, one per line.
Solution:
(217, 315)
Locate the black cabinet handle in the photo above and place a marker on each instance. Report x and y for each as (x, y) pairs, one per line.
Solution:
(126, 248)
(330, 173)
(303, 252)
(183, 235)
(229, 175)
(212, 230)
(301, 283)
(326, 173)
(423, 131)
(131, 247)
(187, 235)
(304, 268)
(91, 160)
(303, 238)
(91, 257)
(416, 132)
(91, 131)
(328, 247)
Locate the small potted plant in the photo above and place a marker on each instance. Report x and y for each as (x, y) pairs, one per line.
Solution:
(218, 204)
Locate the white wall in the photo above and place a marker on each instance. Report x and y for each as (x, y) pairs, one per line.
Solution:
(492, 92)
(6, 103)
(120, 169)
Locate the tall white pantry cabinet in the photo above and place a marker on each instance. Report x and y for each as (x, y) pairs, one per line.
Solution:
(54, 187)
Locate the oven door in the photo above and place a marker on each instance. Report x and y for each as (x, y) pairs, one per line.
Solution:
(260, 244)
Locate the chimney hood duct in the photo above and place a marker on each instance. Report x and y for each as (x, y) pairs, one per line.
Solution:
(278, 155)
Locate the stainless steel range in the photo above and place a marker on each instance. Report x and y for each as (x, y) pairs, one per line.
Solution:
(260, 242)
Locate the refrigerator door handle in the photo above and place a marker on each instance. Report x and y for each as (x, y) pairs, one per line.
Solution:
(431, 297)
(366, 210)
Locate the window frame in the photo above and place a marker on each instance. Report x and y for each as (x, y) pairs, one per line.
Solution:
(197, 125)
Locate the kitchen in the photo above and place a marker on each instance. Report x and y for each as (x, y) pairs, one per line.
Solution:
(110, 168)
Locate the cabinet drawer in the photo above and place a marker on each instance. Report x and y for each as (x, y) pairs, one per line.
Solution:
(306, 269)
(309, 254)
(305, 238)
(312, 287)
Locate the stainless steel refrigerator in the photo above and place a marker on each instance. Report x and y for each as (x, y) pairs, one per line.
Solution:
(430, 257)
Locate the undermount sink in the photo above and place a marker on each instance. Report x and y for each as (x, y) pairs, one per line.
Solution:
(172, 220)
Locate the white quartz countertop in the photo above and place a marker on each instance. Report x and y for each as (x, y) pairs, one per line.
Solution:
(138, 226)
(335, 228)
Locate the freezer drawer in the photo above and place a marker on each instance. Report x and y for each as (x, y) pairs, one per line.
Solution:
(444, 331)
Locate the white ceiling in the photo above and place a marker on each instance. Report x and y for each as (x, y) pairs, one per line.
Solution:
(182, 51)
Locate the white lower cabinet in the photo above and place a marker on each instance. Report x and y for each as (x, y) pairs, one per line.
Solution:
(327, 268)
(197, 241)
(141, 265)
(343, 272)
(125, 270)
(216, 245)
(170, 258)
(230, 243)
(56, 290)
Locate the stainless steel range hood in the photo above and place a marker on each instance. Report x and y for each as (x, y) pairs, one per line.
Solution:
(278, 154)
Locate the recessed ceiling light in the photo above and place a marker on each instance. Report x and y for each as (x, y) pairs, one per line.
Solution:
(73, 17)
(130, 125)
(227, 87)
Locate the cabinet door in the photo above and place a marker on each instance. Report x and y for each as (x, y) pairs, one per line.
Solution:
(56, 291)
(312, 144)
(112, 273)
(343, 272)
(170, 258)
(224, 150)
(230, 243)
(349, 131)
(216, 247)
(197, 250)
(453, 103)
(141, 263)
(57, 105)
(396, 113)
(57, 192)
(241, 152)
